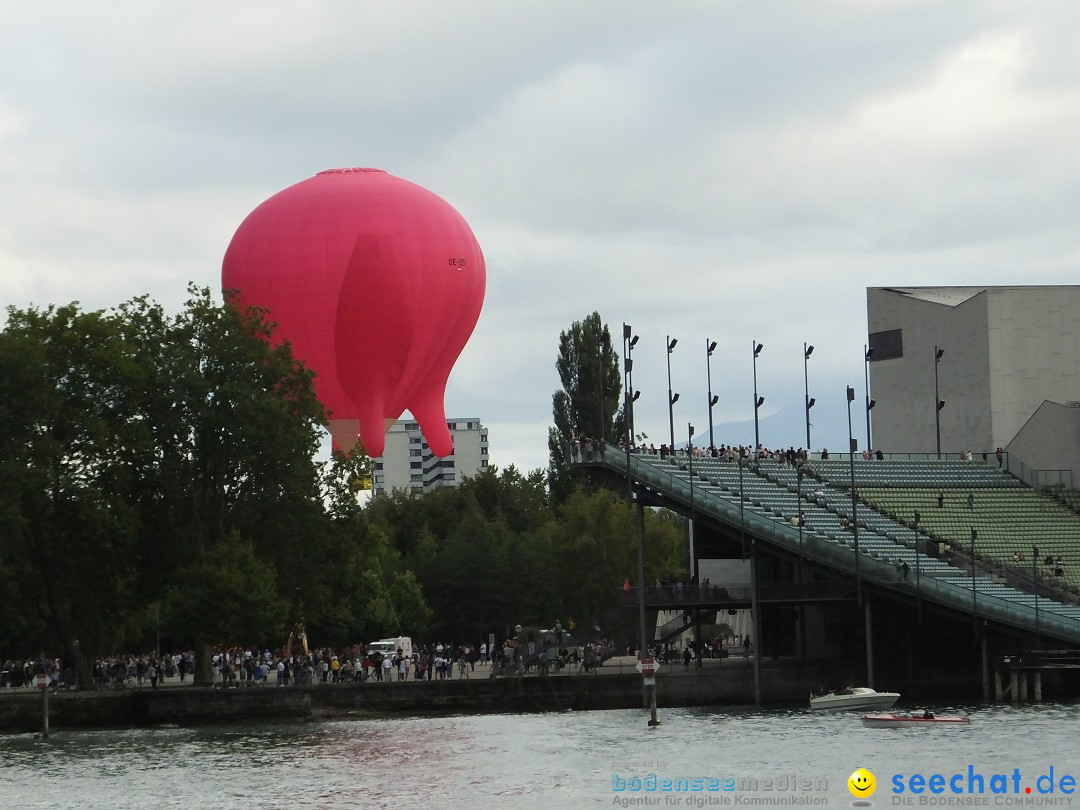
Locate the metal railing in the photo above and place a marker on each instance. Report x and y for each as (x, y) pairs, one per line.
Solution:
(1040, 478)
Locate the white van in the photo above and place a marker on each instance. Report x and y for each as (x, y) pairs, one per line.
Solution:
(390, 646)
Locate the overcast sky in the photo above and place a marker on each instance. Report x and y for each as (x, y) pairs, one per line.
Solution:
(723, 170)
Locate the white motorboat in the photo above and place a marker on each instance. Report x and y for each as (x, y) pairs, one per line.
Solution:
(927, 718)
(858, 697)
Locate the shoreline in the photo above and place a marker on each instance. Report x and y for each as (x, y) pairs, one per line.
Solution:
(616, 685)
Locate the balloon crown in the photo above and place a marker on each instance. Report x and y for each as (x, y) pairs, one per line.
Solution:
(353, 169)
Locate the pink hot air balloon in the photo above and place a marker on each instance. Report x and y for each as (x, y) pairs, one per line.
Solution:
(377, 283)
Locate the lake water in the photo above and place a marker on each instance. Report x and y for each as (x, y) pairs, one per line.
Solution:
(773, 757)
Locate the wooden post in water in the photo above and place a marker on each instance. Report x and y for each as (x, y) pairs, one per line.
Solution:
(45, 708)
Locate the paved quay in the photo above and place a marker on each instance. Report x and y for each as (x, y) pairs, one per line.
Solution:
(615, 685)
(616, 665)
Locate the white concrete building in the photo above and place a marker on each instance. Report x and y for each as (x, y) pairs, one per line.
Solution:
(408, 463)
(1004, 352)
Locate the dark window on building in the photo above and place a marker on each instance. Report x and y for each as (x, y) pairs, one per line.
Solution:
(887, 345)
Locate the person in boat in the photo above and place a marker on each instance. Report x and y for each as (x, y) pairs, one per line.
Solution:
(927, 714)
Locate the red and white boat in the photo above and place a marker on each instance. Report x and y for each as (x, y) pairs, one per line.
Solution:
(913, 720)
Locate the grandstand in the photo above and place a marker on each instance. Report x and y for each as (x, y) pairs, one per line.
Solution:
(954, 498)
(1010, 518)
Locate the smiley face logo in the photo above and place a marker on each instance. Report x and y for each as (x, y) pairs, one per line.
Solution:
(862, 783)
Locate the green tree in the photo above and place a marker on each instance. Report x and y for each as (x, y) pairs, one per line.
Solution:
(590, 549)
(520, 500)
(229, 594)
(395, 606)
(473, 583)
(133, 444)
(589, 402)
(67, 532)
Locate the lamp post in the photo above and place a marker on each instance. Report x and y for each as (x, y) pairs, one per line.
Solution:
(798, 511)
(918, 577)
(690, 525)
(853, 445)
(807, 351)
(629, 341)
(939, 403)
(710, 347)
(742, 504)
(758, 401)
(974, 613)
(672, 398)
(1035, 587)
(868, 352)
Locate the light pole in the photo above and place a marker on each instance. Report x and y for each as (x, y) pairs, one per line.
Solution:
(807, 351)
(974, 613)
(672, 398)
(629, 341)
(939, 403)
(853, 445)
(742, 505)
(1035, 587)
(868, 352)
(710, 347)
(758, 401)
(918, 576)
(798, 511)
(690, 525)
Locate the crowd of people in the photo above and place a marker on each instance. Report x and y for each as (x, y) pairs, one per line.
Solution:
(586, 449)
(250, 666)
(16, 673)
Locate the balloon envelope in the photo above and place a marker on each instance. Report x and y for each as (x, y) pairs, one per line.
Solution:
(377, 283)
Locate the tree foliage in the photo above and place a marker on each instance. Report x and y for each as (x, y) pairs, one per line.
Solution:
(156, 465)
(589, 402)
(136, 445)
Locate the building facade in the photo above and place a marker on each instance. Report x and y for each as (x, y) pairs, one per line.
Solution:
(993, 355)
(407, 462)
